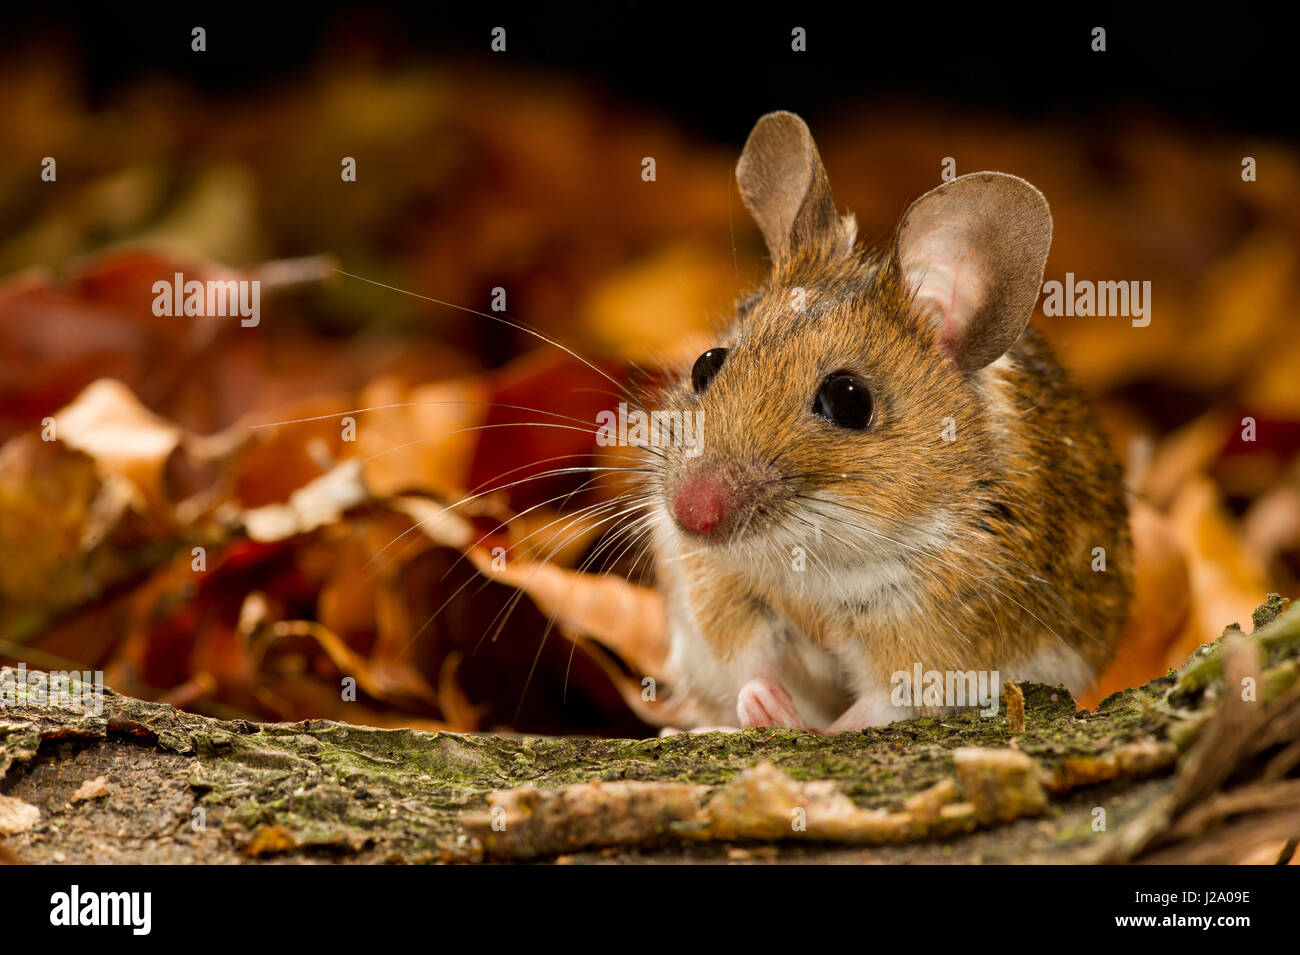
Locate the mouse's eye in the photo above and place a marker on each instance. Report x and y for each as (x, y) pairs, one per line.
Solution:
(706, 366)
(845, 400)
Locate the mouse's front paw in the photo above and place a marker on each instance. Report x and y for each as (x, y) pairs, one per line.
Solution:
(766, 703)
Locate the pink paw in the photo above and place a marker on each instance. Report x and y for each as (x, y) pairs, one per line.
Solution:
(766, 703)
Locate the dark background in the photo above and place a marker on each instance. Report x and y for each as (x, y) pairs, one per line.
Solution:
(715, 68)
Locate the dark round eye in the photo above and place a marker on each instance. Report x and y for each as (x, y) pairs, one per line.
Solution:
(845, 400)
(706, 366)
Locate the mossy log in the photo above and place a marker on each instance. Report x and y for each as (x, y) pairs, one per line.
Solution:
(1182, 768)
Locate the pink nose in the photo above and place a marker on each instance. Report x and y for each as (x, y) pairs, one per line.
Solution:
(702, 503)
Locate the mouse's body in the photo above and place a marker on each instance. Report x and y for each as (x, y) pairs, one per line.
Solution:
(894, 476)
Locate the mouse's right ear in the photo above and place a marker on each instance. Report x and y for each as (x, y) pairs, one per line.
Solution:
(784, 186)
(973, 251)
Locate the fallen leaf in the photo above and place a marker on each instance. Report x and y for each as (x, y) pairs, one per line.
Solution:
(1226, 581)
(124, 438)
(1160, 607)
(320, 502)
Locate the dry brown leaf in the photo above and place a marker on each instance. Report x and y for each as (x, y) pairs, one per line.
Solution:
(1272, 523)
(626, 617)
(462, 716)
(314, 505)
(1184, 455)
(659, 309)
(439, 523)
(124, 438)
(1226, 581)
(1160, 605)
(419, 439)
(381, 678)
(1241, 296)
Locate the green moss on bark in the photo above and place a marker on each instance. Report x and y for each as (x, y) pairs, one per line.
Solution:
(327, 784)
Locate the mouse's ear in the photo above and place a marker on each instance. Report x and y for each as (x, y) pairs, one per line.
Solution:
(784, 186)
(974, 250)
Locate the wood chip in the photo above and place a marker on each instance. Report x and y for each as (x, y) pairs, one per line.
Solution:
(95, 788)
(1014, 700)
(17, 816)
(762, 804)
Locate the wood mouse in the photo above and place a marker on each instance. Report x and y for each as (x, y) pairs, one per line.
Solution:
(893, 469)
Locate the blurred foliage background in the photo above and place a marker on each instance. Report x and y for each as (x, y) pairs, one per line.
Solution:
(522, 171)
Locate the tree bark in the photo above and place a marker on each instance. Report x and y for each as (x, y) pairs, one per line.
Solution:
(1184, 768)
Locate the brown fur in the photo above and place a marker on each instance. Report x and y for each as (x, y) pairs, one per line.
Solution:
(1023, 495)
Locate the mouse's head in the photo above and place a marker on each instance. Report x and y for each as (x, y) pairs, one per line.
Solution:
(852, 392)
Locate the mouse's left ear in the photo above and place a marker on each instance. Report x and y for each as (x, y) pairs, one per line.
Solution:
(974, 250)
(784, 186)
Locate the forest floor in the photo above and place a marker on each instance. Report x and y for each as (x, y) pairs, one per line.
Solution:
(1176, 770)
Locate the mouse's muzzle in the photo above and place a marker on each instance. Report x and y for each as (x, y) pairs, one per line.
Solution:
(718, 502)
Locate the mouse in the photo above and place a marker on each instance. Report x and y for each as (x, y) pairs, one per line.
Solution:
(894, 475)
